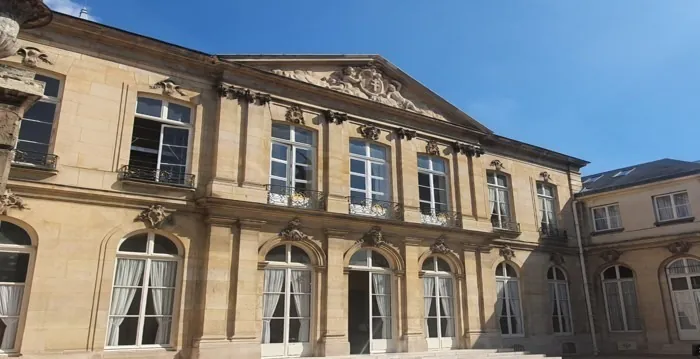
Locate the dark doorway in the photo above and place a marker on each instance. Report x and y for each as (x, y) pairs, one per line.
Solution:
(358, 318)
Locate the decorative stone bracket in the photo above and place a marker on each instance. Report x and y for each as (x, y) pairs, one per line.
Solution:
(155, 216)
(31, 56)
(373, 237)
(556, 258)
(169, 87)
(334, 117)
(497, 165)
(232, 92)
(295, 115)
(293, 232)
(405, 134)
(432, 148)
(468, 149)
(369, 132)
(440, 246)
(10, 200)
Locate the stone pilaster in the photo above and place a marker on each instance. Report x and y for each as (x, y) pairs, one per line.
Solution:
(257, 134)
(407, 175)
(338, 151)
(483, 330)
(218, 279)
(228, 145)
(413, 303)
(335, 337)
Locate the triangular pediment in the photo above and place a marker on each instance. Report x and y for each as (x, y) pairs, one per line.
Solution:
(368, 77)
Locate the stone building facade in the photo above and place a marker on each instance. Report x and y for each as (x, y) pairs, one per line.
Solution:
(179, 204)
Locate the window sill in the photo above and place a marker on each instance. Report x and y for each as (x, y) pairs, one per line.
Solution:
(607, 231)
(126, 351)
(674, 221)
(140, 183)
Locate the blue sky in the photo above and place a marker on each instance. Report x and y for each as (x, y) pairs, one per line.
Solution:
(613, 82)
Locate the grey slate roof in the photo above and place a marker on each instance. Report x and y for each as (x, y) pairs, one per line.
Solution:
(643, 173)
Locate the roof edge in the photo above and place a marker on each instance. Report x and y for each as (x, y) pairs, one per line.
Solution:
(638, 183)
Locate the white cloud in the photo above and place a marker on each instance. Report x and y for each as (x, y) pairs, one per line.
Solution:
(70, 7)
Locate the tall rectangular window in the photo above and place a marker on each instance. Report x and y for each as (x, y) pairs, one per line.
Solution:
(160, 141)
(606, 217)
(291, 166)
(432, 189)
(499, 200)
(36, 128)
(672, 206)
(369, 182)
(545, 197)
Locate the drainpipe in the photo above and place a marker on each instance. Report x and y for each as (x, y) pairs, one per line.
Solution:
(584, 273)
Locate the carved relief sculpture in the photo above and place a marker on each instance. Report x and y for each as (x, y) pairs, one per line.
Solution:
(610, 255)
(10, 200)
(169, 87)
(154, 216)
(432, 148)
(556, 258)
(369, 132)
(679, 247)
(497, 165)
(440, 246)
(294, 115)
(367, 82)
(545, 176)
(31, 56)
(468, 149)
(334, 117)
(405, 134)
(292, 232)
(373, 237)
(507, 253)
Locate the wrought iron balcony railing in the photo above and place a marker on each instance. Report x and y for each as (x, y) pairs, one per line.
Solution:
(35, 159)
(441, 218)
(503, 224)
(139, 174)
(376, 208)
(550, 231)
(297, 198)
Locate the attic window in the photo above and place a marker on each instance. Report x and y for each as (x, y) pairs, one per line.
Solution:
(623, 172)
(592, 179)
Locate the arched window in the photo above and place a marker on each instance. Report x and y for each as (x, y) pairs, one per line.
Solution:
(286, 302)
(143, 293)
(684, 282)
(438, 300)
(508, 305)
(15, 254)
(620, 299)
(559, 300)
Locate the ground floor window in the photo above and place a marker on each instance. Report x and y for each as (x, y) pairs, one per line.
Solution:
(15, 252)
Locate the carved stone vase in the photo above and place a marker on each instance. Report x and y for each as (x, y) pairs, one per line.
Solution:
(16, 14)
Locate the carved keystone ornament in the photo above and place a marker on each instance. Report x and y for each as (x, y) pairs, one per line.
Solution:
(169, 87)
(31, 56)
(369, 132)
(294, 115)
(440, 246)
(11, 200)
(507, 253)
(610, 255)
(335, 117)
(154, 216)
(545, 176)
(497, 165)
(292, 232)
(432, 148)
(373, 237)
(556, 258)
(679, 247)
(406, 134)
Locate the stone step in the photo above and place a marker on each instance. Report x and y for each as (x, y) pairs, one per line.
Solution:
(450, 354)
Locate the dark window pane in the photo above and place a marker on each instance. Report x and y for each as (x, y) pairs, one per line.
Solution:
(175, 136)
(357, 182)
(357, 197)
(550, 273)
(164, 245)
(695, 282)
(432, 328)
(440, 182)
(13, 267)
(178, 113)
(503, 322)
(378, 260)
(302, 188)
(490, 178)
(679, 283)
(164, 296)
(429, 264)
(42, 112)
(378, 169)
(127, 331)
(510, 272)
(35, 131)
(31, 147)
(303, 156)
(302, 173)
(277, 254)
(381, 328)
(438, 165)
(377, 151)
(424, 193)
(172, 174)
(280, 131)
(303, 136)
(146, 134)
(442, 265)
(279, 151)
(150, 330)
(13, 234)
(358, 147)
(357, 166)
(135, 306)
(135, 243)
(299, 256)
(424, 162)
(149, 106)
(440, 196)
(277, 330)
(174, 155)
(626, 272)
(295, 330)
(279, 169)
(425, 207)
(499, 270)
(278, 186)
(447, 327)
(424, 179)
(610, 273)
(359, 258)
(52, 85)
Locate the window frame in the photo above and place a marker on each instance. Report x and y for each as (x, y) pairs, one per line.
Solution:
(671, 195)
(164, 122)
(607, 217)
(368, 160)
(29, 250)
(292, 145)
(623, 309)
(506, 297)
(437, 274)
(432, 173)
(544, 197)
(503, 219)
(557, 298)
(45, 99)
(148, 258)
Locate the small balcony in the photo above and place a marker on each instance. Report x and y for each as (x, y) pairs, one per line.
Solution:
(503, 224)
(441, 218)
(42, 161)
(161, 177)
(296, 198)
(375, 208)
(552, 232)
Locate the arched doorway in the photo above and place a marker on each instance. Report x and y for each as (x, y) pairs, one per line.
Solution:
(438, 300)
(369, 301)
(684, 284)
(15, 256)
(287, 299)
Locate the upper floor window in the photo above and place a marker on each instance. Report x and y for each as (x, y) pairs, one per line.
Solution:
(499, 199)
(291, 166)
(15, 253)
(432, 189)
(546, 197)
(369, 179)
(160, 141)
(606, 217)
(620, 299)
(36, 128)
(672, 206)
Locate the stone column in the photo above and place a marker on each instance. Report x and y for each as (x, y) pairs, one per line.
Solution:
(335, 335)
(413, 307)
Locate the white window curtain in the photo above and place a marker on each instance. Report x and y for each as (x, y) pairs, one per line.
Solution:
(514, 302)
(614, 306)
(500, 301)
(681, 202)
(300, 284)
(665, 207)
(162, 275)
(274, 280)
(429, 294)
(380, 285)
(445, 289)
(629, 298)
(129, 274)
(10, 305)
